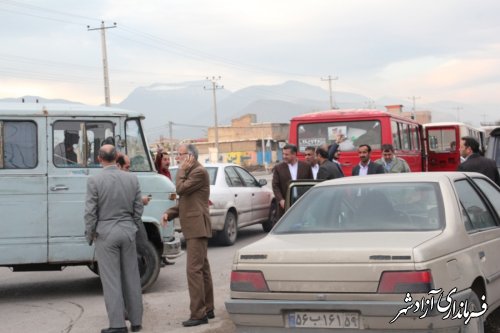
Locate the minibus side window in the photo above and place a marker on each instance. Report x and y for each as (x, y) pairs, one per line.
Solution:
(18, 145)
(77, 143)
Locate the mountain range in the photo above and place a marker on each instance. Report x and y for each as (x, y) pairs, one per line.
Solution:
(189, 105)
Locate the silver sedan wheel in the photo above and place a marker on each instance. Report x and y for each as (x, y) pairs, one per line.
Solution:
(228, 235)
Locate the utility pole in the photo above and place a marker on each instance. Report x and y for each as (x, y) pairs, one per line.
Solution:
(458, 108)
(103, 28)
(370, 103)
(414, 107)
(170, 140)
(214, 87)
(330, 79)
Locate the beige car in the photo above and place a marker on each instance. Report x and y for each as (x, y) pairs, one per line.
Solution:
(413, 252)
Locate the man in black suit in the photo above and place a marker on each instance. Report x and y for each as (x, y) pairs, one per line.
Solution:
(327, 168)
(290, 169)
(469, 150)
(366, 166)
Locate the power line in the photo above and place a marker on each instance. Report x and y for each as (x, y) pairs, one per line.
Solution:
(198, 54)
(161, 127)
(37, 16)
(30, 6)
(153, 41)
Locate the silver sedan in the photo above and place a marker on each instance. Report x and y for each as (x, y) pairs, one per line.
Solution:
(237, 200)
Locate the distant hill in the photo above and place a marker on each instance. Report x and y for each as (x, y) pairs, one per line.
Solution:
(190, 106)
(188, 103)
(36, 99)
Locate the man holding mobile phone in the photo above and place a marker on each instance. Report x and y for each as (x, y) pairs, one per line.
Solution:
(193, 187)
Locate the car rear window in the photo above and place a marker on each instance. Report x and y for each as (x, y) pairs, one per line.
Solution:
(366, 207)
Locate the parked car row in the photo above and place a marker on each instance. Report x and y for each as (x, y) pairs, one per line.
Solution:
(395, 252)
(237, 200)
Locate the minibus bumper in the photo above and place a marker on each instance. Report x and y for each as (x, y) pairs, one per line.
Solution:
(172, 247)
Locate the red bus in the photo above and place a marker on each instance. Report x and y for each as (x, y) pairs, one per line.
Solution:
(442, 142)
(373, 127)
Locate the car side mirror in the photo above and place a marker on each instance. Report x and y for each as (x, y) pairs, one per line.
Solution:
(262, 182)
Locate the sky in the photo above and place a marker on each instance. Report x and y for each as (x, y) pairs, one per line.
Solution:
(435, 50)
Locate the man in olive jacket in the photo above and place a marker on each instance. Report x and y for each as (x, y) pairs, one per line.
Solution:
(193, 187)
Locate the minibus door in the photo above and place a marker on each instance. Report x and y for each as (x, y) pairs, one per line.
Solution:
(23, 191)
(73, 147)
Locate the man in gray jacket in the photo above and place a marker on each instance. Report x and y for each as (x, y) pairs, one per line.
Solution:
(113, 208)
(327, 168)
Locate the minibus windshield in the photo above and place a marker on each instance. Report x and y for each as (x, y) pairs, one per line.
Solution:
(140, 158)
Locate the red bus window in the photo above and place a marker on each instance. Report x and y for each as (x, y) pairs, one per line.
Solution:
(405, 136)
(355, 133)
(396, 141)
(415, 144)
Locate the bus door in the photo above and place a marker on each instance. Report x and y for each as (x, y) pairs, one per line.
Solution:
(406, 140)
(443, 148)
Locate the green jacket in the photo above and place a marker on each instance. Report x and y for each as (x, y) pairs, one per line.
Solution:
(398, 165)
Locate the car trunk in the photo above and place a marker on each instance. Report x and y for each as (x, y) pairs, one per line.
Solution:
(330, 262)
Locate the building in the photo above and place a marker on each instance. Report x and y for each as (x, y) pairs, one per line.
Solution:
(245, 142)
(240, 143)
(421, 117)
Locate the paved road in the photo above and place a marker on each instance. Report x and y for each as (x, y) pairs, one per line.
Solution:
(71, 301)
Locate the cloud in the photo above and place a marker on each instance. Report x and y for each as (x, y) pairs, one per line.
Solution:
(377, 48)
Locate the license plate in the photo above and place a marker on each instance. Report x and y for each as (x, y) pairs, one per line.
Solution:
(323, 319)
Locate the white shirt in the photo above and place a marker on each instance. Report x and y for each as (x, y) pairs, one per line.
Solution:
(315, 169)
(293, 170)
(363, 170)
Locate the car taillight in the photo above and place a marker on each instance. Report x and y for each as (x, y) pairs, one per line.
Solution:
(395, 282)
(248, 281)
